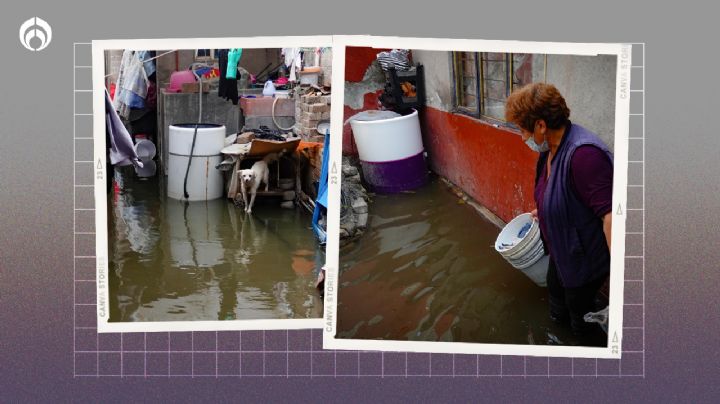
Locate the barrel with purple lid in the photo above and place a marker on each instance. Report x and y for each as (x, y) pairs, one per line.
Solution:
(391, 151)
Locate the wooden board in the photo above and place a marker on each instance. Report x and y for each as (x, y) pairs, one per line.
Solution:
(233, 185)
(261, 147)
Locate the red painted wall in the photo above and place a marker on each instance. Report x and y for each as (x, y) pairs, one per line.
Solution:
(492, 165)
(357, 61)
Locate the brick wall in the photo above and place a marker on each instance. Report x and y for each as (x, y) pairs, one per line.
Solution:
(310, 110)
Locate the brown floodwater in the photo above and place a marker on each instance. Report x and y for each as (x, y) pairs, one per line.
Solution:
(426, 270)
(177, 261)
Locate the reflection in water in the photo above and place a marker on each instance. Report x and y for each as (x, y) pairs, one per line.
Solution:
(174, 261)
(426, 270)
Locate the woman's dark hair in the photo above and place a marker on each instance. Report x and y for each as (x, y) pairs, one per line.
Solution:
(535, 101)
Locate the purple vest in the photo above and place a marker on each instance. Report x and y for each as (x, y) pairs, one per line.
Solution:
(575, 233)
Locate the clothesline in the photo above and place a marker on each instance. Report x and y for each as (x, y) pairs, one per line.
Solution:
(147, 60)
(162, 54)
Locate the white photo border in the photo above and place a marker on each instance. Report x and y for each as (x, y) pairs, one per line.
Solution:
(620, 182)
(101, 239)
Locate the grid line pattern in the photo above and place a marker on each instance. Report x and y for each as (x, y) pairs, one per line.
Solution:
(299, 353)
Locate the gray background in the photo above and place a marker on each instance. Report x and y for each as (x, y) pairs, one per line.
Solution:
(36, 187)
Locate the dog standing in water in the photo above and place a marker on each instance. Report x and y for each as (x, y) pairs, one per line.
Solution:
(250, 179)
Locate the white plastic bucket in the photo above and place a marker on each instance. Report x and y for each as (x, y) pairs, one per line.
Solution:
(147, 170)
(537, 272)
(145, 149)
(525, 253)
(520, 249)
(388, 139)
(510, 232)
(204, 181)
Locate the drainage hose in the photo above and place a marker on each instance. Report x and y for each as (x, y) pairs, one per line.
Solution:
(187, 170)
(192, 146)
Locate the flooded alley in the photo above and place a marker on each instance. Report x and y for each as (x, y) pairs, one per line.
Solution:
(425, 269)
(171, 260)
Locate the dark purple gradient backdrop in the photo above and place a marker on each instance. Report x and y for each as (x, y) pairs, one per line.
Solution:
(36, 194)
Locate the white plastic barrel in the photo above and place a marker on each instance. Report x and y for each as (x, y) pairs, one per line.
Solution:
(204, 181)
(388, 139)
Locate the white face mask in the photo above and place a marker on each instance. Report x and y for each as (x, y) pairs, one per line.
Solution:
(530, 142)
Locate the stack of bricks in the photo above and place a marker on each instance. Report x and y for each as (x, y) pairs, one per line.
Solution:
(310, 110)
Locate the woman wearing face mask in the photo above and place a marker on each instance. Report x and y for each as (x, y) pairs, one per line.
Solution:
(573, 196)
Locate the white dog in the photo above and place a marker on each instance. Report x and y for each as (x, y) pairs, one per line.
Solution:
(250, 179)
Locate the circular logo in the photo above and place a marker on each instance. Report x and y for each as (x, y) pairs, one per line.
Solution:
(35, 34)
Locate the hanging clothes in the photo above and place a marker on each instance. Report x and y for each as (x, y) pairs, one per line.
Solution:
(318, 53)
(144, 120)
(132, 84)
(227, 88)
(233, 60)
(147, 57)
(122, 149)
(293, 61)
(399, 59)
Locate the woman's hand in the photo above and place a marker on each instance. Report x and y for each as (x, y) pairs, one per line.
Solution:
(533, 213)
(607, 227)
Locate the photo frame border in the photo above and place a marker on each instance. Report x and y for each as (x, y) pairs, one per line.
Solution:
(620, 183)
(100, 195)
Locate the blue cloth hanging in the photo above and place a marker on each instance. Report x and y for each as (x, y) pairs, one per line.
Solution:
(321, 201)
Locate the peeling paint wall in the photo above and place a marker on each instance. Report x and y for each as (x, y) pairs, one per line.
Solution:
(492, 164)
(489, 163)
(438, 78)
(586, 82)
(364, 81)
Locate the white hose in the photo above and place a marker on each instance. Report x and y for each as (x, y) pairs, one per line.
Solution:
(272, 112)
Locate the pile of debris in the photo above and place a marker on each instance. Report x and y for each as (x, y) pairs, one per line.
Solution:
(354, 204)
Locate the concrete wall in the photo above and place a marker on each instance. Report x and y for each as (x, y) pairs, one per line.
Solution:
(588, 85)
(174, 108)
(326, 64)
(112, 65)
(491, 163)
(586, 82)
(488, 162)
(167, 64)
(438, 78)
(252, 60)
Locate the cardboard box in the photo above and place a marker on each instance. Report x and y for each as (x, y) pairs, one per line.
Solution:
(193, 87)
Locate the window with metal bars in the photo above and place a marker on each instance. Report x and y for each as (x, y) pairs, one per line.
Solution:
(483, 80)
